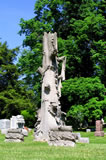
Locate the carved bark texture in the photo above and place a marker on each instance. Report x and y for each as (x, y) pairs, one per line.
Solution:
(49, 116)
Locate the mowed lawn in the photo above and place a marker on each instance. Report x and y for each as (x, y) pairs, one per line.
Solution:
(31, 150)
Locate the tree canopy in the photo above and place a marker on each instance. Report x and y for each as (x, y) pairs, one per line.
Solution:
(80, 26)
(14, 97)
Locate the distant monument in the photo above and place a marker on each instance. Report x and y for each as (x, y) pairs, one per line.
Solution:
(50, 121)
(99, 128)
(15, 132)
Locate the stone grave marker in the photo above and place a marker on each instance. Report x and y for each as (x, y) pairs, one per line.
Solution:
(99, 128)
(4, 125)
(16, 131)
(50, 125)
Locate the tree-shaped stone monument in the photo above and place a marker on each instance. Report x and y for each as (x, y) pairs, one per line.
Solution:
(50, 117)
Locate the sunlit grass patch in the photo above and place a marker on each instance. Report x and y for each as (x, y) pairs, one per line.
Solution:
(31, 150)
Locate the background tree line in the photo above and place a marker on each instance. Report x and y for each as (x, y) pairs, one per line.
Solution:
(80, 26)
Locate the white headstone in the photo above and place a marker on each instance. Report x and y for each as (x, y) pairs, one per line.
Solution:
(13, 122)
(17, 122)
(4, 123)
(88, 130)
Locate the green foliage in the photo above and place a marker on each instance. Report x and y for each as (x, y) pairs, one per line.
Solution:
(80, 26)
(85, 99)
(29, 116)
(105, 119)
(14, 97)
(27, 66)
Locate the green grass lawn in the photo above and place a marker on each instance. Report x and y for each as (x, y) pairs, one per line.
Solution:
(31, 150)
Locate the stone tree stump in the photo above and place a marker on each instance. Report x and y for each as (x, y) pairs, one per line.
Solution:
(50, 125)
(50, 114)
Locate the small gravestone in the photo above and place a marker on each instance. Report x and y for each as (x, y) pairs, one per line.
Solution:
(83, 140)
(88, 130)
(80, 139)
(99, 128)
(15, 133)
(4, 125)
(13, 122)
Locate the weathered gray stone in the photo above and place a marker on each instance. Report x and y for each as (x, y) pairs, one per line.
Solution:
(83, 140)
(14, 135)
(57, 135)
(15, 131)
(62, 138)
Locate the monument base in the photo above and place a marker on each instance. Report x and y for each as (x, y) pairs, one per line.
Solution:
(62, 138)
(99, 133)
(14, 135)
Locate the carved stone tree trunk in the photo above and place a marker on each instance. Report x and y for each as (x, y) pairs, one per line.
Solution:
(50, 115)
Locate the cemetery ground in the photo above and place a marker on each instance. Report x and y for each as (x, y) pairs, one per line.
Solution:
(31, 150)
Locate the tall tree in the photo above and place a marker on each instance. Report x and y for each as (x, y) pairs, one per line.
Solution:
(14, 97)
(80, 28)
(81, 38)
